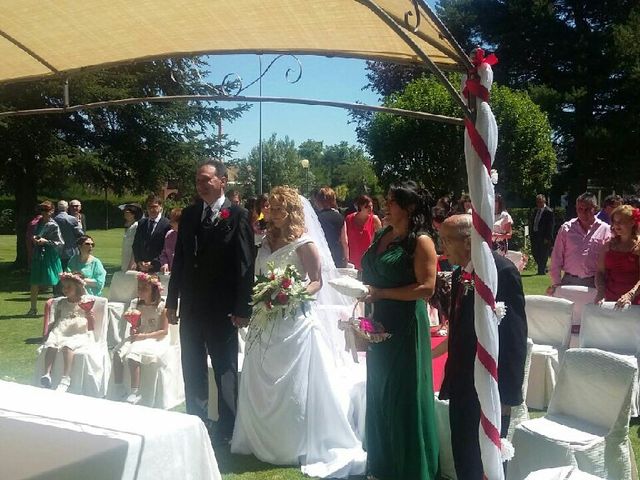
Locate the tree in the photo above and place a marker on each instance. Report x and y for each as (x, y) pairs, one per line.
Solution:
(433, 153)
(132, 147)
(579, 62)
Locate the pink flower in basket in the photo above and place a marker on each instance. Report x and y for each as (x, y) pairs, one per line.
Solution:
(367, 325)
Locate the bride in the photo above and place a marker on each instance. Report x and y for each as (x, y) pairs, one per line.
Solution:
(292, 408)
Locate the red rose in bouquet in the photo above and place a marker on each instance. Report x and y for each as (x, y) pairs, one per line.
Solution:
(286, 282)
(282, 298)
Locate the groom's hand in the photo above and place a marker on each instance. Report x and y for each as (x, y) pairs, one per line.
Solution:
(171, 316)
(239, 321)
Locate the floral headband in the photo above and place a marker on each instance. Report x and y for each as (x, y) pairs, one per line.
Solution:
(72, 276)
(152, 279)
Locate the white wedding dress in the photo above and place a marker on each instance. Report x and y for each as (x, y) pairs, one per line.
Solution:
(293, 405)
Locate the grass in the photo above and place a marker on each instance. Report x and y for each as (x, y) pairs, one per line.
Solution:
(20, 337)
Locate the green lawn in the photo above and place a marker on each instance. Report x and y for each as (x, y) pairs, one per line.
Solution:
(20, 336)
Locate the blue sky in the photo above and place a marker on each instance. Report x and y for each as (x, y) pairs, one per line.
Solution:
(322, 78)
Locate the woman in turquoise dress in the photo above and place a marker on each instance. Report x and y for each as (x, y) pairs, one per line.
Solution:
(400, 270)
(45, 260)
(89, 266)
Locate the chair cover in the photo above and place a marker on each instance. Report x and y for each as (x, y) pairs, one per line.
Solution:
(587, 424)
(561, 473)
(91, 364)
(519, 259)
(579, 295)
(447, 466)
(549, 326)
(616, 331)
(520, 413)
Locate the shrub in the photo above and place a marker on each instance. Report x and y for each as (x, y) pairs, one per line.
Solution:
(7, 222)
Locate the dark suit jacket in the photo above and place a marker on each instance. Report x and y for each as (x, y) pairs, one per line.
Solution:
(212, 270)
(458, 380)
(545, 225)
(147, 248)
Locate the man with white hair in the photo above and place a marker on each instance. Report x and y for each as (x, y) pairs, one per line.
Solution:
(458, 384)
(70, 229)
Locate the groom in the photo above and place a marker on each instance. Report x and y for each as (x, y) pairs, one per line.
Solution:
(212, 274)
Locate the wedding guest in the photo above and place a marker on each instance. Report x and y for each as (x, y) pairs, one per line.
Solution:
(578, 245)
(149, 238)
(400, 269)
(445, 204)
(609, 204)
(361, 227)
(464, 204)
(262, 209)
(502, 226)
(632, 200)
(31, 231)
(89, 266)
(166, 257)
(541, 232)
(132, 214)
(148, 342)
(458, 384)
(70, 230)
(618, 275)
(75, 209)
(333, 225)
(71, 330)
(45, 262)
(234, 197)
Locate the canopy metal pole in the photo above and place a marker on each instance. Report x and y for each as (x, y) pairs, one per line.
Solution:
(400, 31)
(260, 127)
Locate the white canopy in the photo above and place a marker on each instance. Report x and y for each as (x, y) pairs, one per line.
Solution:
(44, 38)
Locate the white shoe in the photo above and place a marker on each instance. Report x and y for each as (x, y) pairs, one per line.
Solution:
(45, 381)
(134, 398)
(63, 386)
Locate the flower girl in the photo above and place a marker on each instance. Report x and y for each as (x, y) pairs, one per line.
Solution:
(72, 328)
(148, 339)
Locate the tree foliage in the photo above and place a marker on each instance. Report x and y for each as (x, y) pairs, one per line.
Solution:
(433, 153)
(131, 147)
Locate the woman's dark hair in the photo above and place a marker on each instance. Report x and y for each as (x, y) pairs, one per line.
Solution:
(134, 209)
(262, 201)
(363, 201)
(406, 194)
(500, 201)
(84, 238)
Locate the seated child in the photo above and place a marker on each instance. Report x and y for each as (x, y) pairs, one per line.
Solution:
(148, 340)
(72, 328)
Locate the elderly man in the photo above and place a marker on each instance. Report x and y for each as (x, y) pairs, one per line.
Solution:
(75, 209)
(578, 245)
(458, 385)
(70, 229)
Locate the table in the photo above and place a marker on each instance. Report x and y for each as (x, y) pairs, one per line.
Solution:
(437, 364)
(54, 435)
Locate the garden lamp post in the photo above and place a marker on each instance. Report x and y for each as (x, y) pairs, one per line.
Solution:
(305, 164)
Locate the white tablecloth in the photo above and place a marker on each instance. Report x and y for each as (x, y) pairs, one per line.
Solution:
(53, 435)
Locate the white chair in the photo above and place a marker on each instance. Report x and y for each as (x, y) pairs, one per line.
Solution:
(91, 364)
(561, 473)
(520, 413)
(445, 454)
(587, 423)
(519, 259)
(616, 331)
(161, 382)
(580, 296)
(549, 327)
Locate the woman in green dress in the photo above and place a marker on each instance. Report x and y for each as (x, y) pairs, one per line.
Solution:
(89, 266)
(45, 261)
(400, 270)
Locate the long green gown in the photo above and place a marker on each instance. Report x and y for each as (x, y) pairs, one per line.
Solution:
(401, 436)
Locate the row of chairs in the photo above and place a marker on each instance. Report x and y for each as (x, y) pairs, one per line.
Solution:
(161, 384)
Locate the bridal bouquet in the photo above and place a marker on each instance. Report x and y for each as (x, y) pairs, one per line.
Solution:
(276, 295)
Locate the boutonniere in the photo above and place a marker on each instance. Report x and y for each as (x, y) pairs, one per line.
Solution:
(466, 279)
(222, 215)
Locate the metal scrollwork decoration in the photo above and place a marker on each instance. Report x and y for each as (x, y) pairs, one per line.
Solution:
(418, 16)
(232, 85)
